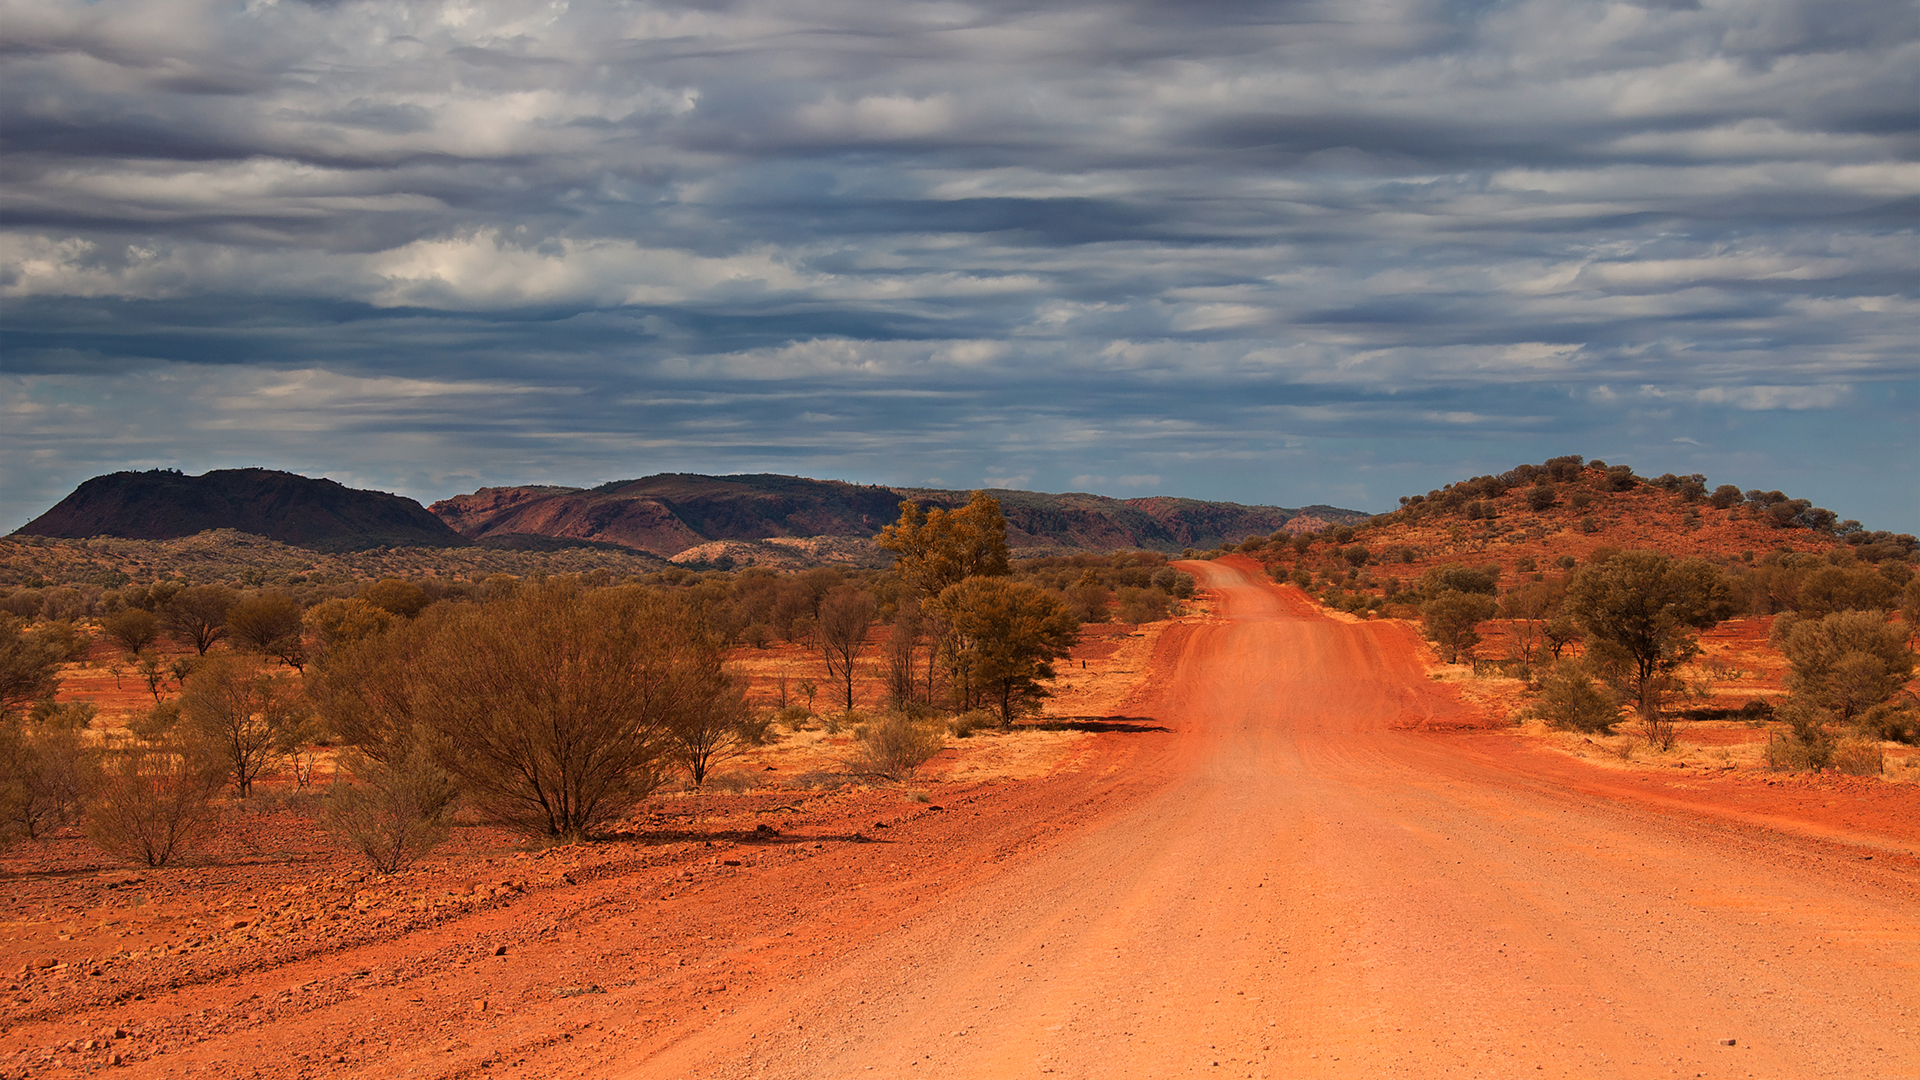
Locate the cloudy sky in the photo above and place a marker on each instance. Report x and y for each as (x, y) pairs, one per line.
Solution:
(1284, 253)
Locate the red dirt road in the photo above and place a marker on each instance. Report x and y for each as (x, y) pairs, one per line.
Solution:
(1284, 882)
(1311, 893)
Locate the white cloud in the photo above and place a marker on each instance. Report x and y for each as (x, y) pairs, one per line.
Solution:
(1774, 397)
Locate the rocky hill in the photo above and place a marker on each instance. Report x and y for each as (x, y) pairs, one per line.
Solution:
(164, 504)
(675, 512)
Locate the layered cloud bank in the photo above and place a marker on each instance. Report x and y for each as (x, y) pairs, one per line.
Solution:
(1287, 252)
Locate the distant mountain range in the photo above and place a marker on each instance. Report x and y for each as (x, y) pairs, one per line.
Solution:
(667, 515)
(674, 512)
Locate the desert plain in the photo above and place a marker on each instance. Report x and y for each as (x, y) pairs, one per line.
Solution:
(1258, 840)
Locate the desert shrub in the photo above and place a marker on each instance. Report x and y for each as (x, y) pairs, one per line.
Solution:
(1829, 589)
(965, 724)
(713, 725)
(340, 622)
(197, 615)
(1849, 663)
(63, 716)
(392, 813)
(43, 771)
(1176, 583)
(1457, 578)
(1570, 700)
(249, 717)
(1581, 499)
(896, 745)
(29, 665)
(1090, 600)
(1859, 757)
(1808, 743)
(268, 623)
(1142, 605)
(133, 629)
(153, 803)
(554, 705)
(1541, 497)
(22, 603)
(395, 597)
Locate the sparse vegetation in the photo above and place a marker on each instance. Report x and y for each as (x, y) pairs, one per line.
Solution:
(896, 745)
(153, 801)
(392, 813)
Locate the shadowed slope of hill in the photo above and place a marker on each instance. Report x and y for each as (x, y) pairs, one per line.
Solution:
(672, 512)
(163, 504)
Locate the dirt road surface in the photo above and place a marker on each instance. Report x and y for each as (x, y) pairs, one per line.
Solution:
(1270, 872)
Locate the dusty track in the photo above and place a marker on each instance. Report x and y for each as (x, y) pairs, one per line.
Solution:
(1285, 882)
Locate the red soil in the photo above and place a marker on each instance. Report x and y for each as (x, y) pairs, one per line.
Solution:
(1264, 874)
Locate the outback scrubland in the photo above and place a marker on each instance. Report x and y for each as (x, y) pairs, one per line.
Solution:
(582, 811)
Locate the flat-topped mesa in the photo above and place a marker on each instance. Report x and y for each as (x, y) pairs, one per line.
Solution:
(164, 504)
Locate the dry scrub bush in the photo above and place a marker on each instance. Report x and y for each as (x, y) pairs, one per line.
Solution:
(896, 745)
(1570, 700)
(251, 718)
(1852, 664)
(43, 771)
(153, 802)
(715, 724)
(1143, 605)
(392, 813)
(1859, 757)
(554, 706)
(964, 725)
(1808, 743)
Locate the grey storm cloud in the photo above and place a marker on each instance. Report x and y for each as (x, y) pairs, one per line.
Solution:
(1273, 252)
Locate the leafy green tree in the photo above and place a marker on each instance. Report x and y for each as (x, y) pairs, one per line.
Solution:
(1006, 636)
(197, 615)
(1641, 611)
(250, 718)
(1450, 620)
(1851, 665)
(1828, 589)
(934, 549)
